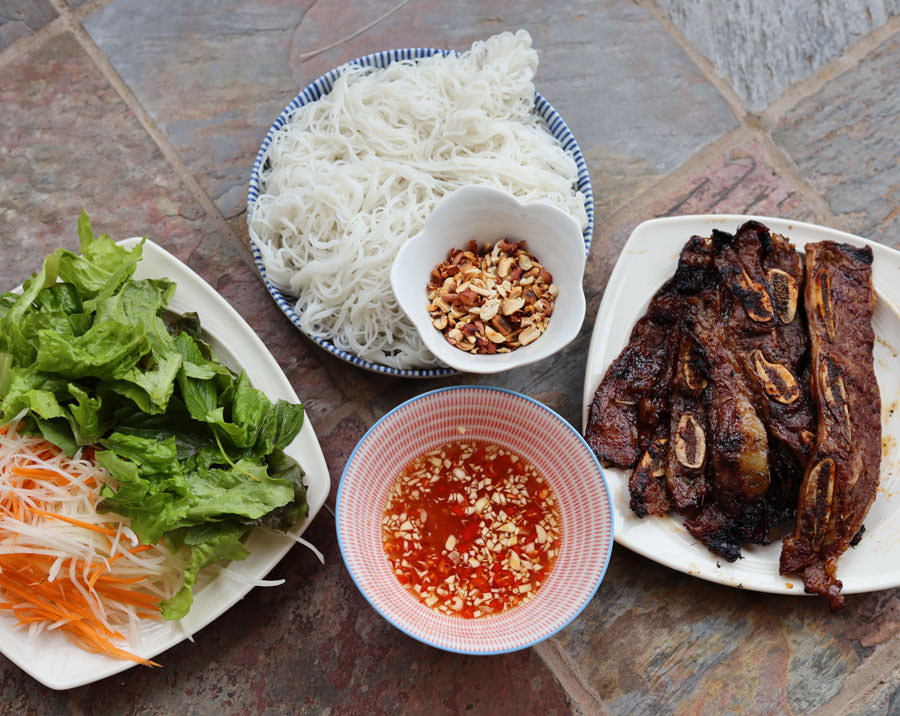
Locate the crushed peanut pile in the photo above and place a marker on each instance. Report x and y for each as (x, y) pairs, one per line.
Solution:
(471, 529)
(491, 299)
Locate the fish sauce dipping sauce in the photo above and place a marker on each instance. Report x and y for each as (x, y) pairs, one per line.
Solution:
(471, 528)
(529, 448)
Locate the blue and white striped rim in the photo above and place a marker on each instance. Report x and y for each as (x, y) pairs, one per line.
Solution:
(322, 86)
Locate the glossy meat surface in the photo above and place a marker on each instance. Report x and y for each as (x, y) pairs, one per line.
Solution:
(759, 414)
(737, 443)
(841, 477)
(767, 329)
(632, 399)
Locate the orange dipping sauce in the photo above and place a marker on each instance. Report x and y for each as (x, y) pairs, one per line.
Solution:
(471, 528)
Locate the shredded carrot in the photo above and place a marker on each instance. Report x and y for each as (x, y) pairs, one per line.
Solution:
(64, 566)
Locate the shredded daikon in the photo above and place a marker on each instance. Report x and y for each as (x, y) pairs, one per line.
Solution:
(65, 566)
(309, 545)
(353, 175)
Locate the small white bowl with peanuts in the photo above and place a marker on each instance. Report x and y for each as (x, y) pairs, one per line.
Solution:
(492, 284)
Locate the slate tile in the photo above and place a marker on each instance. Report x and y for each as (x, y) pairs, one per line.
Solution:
(210, 74)
(215, 76)
(762, 48)
(67, 141)
(844, 141)
(21, 18)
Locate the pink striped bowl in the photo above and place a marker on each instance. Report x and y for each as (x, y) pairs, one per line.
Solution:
(501, 416)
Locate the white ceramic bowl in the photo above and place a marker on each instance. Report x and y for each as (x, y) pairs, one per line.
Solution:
(514, 421)
(487, 215)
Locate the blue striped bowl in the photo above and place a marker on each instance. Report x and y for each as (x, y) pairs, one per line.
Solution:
(322, 86)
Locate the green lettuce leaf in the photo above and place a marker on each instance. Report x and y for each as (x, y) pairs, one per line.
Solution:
(92, 356)
(208, 545)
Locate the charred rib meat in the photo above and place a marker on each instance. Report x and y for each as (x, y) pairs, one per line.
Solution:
(841, 477)
(750, 373)
(632, 398)
(738, 468)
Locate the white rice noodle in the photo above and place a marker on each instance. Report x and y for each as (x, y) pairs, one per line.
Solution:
(355, 174)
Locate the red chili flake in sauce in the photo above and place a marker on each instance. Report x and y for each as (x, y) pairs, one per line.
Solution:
(471, 528)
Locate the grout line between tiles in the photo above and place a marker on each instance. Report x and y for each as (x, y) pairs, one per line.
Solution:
(25, 45)
(846, 61)
(72, 22)
(88, 8)
(583, 698)
(735, 103)
(784, 164)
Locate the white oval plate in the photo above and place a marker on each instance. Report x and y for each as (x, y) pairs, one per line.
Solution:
(51, 658)
(647, 260)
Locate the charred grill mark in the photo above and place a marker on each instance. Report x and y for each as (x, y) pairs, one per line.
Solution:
(754, 297)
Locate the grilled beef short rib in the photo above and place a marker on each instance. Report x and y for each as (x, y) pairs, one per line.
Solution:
(841, 476)
(746, 397)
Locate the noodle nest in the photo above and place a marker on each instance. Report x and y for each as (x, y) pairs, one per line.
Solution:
(350, 177)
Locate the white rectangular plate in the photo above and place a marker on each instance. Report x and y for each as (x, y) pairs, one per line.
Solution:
(55, 661)
(647, 260)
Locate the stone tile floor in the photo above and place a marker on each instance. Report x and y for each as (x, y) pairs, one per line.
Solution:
(149, 115)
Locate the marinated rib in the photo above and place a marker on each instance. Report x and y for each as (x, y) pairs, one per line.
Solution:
(841, 477)
(632, 399)
(688, 425)
(756, 350)
(763, 276)
(746, 397)
(766, 328)
(633, 394)
(734, 510)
